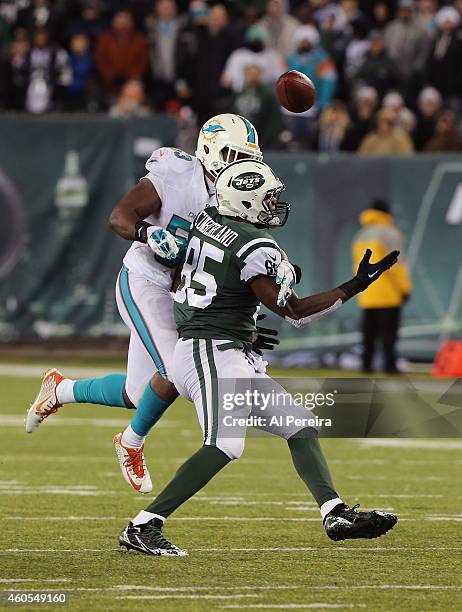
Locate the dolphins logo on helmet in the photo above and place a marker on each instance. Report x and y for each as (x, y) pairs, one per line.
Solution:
(224, 139)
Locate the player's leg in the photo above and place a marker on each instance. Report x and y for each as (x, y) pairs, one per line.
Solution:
(369, 328)
(198, 365)
(390, 325)
(148, 309)
(306, 452)
(57, 390)
(340, 521)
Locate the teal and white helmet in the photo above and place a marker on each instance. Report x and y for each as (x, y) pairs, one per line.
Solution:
(249, 189)
(224, 139)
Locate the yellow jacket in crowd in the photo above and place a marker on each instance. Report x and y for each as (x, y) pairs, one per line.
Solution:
(379, 234)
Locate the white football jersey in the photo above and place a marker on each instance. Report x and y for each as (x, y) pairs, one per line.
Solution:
(184, 190)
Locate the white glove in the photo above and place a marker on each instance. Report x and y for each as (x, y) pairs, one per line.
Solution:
(257, 362)
(162, 242)
(285, 276)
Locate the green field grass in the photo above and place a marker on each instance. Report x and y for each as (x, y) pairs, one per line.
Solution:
(254, 534)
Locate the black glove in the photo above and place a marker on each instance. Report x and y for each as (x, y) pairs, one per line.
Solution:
(368, 273)
(265, 340)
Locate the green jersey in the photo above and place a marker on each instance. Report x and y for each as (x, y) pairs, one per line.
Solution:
(214, 299)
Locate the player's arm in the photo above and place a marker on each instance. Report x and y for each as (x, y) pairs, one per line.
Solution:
(301, 311)
(298, 311)
(127, 218)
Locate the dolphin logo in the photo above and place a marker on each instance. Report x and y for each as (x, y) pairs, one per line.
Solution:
(212, 128)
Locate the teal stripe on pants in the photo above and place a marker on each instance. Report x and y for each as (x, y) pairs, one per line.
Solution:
(139, 322)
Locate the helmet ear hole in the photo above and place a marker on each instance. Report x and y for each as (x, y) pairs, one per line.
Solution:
(246, 204)
(206, 149)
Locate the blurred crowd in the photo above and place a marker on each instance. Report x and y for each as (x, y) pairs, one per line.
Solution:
(388, 73)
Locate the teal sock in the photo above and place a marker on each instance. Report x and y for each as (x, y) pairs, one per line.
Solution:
(107, 390)
(148, 411)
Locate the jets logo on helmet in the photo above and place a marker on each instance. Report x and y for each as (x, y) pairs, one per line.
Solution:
(224, 139)
(248, 181)
(248, 189)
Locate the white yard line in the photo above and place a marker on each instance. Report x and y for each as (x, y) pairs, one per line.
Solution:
(25, 370)
(40, 580)
(17, 420)
(411, 443)
(332, 549)
(214, 597)
(289, 606)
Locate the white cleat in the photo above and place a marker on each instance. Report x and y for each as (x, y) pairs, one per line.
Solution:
(133, 465)
(46, 402)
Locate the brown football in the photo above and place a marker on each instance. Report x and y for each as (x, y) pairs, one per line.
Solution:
(295, 91)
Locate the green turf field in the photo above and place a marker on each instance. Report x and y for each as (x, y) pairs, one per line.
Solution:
(254, 534)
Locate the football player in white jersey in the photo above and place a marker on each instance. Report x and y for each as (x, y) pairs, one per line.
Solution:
(156, 215)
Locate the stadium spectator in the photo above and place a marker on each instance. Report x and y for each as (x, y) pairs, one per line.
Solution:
(382, 303)
(429, 104)
(407, 44)
(380, 15)
(386, 139)
(258, 103)
(82, 66)
(310, 59)
(404, 118)
(89, 22)
(279, 26)
(445, 60)
(350, 11)
(5, 33)
(356, 49)
(163, 27)
(39, 14)
(253, 52)
(333, 123)
(426, 11)
(48, 73)
(334, 39)
(17, 74)
(446, 138)
(378, 70)
(366, 100)
(130, 102)
(121, 53)
(202, 65)
(394, 101)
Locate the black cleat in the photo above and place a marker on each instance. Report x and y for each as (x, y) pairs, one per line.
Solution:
(348, 523)
(148, 539)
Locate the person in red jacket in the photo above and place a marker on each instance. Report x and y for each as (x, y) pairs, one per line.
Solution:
(121, 53)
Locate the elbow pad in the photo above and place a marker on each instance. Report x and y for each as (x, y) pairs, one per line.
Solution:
(314, 317)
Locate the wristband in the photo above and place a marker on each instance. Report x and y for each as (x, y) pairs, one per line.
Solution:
(298, 273)
(141, 229)
(352, 287)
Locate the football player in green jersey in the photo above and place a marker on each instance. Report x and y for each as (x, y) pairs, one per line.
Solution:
(229, 269)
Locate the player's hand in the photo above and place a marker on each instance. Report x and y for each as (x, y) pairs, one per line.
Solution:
(368, 273)
(266, 338)
(286, 277)
(162, 242)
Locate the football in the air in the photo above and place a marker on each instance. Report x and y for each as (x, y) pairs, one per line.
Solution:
(295, 91)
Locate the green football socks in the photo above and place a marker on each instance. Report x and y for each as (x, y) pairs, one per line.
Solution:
(311, 465)
(192, 476)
